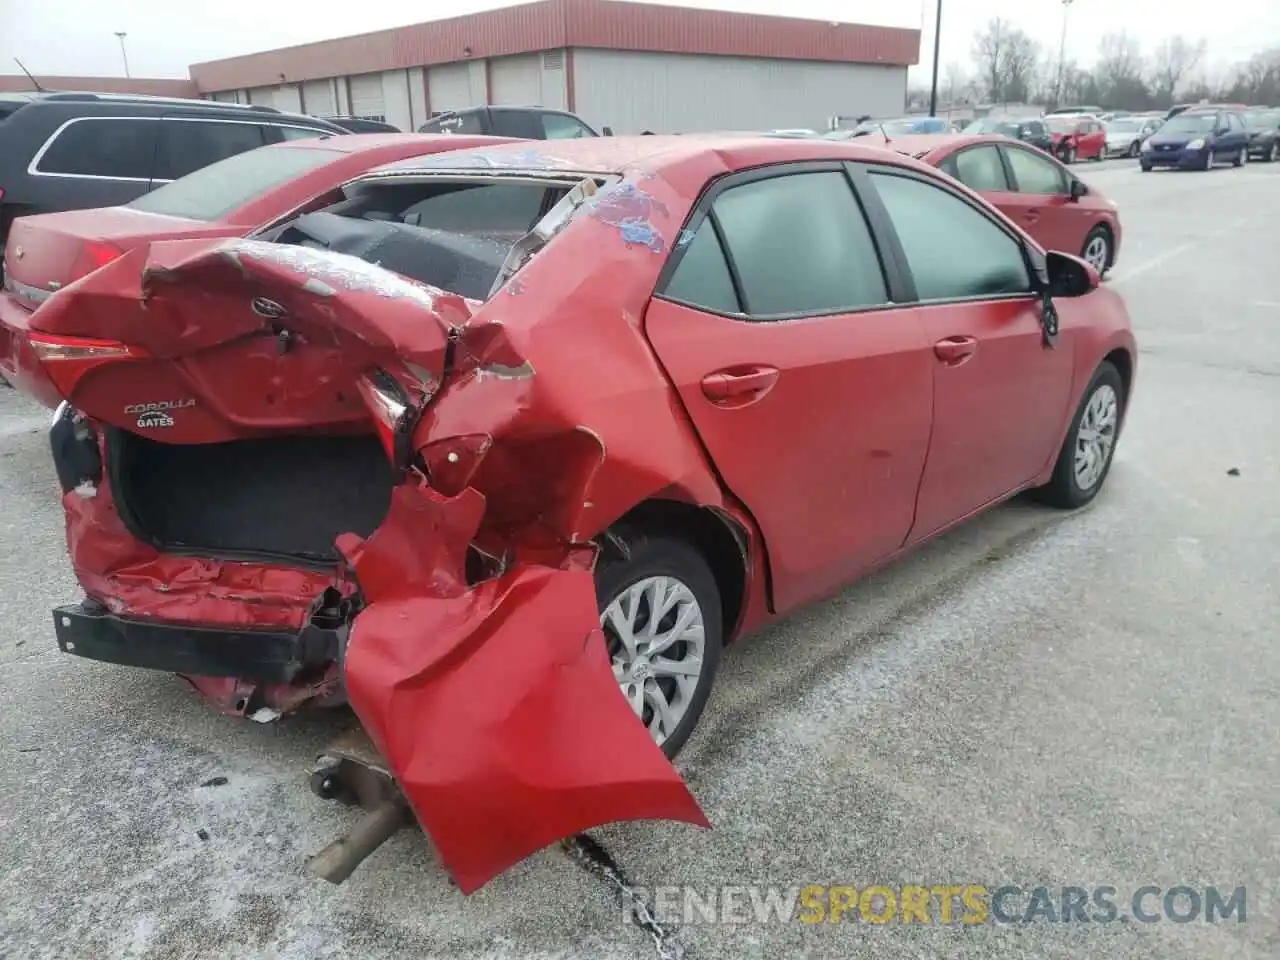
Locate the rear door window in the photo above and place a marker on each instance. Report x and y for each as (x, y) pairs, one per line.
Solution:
(702, 278)
(980, 168)
(447, 123)
(800, 245)
(117, 148)
(189, 145)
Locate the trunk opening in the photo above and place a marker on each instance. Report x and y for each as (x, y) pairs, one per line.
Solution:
(281, 497)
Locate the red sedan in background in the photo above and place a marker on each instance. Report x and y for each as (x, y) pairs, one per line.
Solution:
(237, 197)
(1032, 189)
(1077, 138)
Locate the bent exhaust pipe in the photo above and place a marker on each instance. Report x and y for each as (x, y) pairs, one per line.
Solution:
(339, 859)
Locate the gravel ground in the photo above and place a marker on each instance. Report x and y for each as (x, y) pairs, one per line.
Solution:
(1035, 699)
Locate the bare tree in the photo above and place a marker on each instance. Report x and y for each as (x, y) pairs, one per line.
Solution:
(1006, 59)
(1119, 71)
(956, 82)
(988, 56)
(1021, 56)
(1173, 60)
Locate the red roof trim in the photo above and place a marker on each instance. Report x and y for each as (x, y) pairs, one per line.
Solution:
(557, 24)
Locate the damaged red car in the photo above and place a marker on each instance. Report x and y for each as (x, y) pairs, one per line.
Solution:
(506, 444)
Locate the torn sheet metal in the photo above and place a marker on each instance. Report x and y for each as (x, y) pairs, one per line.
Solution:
(495, 705)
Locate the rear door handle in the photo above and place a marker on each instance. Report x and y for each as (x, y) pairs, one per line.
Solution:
(956, 349)
(1032, 216)
(738, 384)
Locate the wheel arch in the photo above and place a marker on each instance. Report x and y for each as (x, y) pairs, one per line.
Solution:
(1121, 359)
(718, 538)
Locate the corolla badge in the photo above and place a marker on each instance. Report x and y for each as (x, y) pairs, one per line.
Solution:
(158, 414)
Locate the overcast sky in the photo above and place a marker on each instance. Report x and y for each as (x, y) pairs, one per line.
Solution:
(165, 36)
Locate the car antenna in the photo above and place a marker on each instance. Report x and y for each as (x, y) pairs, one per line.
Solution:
(883, 132)
(34, 82)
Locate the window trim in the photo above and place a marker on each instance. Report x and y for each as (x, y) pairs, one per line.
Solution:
(702, 211)
(34, 171)
(892, 240)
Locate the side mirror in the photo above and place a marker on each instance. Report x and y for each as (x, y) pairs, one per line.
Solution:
(1077, 190)
(1069, 276)
(607, 131)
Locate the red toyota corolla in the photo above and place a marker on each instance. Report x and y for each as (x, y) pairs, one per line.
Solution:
(237, 197)
(1077, 138)
(1035, 191)
(601, 407)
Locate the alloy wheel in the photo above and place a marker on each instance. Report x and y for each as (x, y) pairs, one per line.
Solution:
(1209, 159)
(1096, 436)
(1272, 152)
(656, 640)
(1097, 252)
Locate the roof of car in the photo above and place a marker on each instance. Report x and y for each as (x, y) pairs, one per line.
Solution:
(91, 103)
(621, 154)
(361, 142)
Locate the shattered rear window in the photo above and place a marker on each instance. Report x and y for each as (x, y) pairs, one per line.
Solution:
(214, 191)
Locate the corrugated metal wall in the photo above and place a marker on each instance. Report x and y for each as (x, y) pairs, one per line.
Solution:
(321, 98)
(516, 81)
(397, 108)
(675, 93)
(555, 84)
(367, 98)
(449, 87)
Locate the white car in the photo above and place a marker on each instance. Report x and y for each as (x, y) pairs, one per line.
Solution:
(1125, 135)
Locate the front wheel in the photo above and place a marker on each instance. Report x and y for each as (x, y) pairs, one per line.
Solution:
(1134, 150)
(1273, 153)
(1069, 155)
(1209, 159)
(1085, 458)
(1097, 249)
(1242, 157)
(661, 615)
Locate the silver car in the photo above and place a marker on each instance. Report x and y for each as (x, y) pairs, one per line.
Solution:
(1125, 135)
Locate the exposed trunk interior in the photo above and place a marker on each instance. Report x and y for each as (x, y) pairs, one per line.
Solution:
(283, 496)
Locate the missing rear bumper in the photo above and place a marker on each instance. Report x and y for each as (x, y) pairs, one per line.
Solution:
(257, 655)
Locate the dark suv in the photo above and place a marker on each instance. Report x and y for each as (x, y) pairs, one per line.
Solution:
(523, 123)
(70, 151)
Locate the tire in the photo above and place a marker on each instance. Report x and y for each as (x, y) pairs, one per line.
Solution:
(656, 564)
(1134, 150)
(1241, 158)
(1146, 168)
(1069, 155)
(1273, 153)
(1067, 489)
(1209, 160)
(1099, 235)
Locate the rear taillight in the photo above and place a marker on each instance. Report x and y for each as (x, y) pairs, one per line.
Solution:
(93, 255)
(67, 359)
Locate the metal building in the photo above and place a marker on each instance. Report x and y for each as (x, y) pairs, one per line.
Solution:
(630, 66)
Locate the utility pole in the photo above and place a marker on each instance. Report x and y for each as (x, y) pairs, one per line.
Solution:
(124, 55)
(1062, 54)
(937, 46)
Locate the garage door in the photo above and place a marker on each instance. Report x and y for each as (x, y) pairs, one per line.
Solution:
(366, 97)
(265, 95)
(516, 81)
(319, 99)
(449, 87)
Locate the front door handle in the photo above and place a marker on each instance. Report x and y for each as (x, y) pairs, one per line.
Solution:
(954, 350)
(738, 384)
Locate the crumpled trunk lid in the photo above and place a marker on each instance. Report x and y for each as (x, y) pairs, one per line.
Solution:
(493, 702)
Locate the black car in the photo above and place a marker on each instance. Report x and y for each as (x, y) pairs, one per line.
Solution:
(70, 151)
(361, 125)
(522, 123)
(1264, 134)
(1033, 132)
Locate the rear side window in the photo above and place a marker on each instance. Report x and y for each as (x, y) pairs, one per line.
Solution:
(467, 123)
(559, 126)
(800, 245)
(295, 133)
(188, 145)
(702, 278)
(1035, 129)
(980, 168)
(953, 250)
(214, 191)
(119, 148)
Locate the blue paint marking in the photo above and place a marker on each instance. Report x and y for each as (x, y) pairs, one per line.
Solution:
(627, 207)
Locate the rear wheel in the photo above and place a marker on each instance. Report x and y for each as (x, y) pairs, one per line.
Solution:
(661, 614)
(1069, 155)
(1085, 458)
